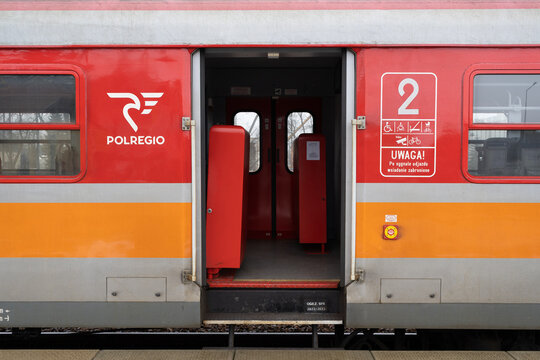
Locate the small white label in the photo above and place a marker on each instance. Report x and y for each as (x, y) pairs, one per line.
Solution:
(5, 317)
(390, 218)
(291, 91)
(313, 150)
(241, 90)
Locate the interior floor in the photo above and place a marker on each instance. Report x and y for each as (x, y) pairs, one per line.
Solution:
(288, 260)
(292, 265)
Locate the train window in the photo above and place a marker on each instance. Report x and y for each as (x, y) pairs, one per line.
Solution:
(39, 152)
(506, 98)
(298, 123)
(251, 121)
(39, 132)
(504, 131)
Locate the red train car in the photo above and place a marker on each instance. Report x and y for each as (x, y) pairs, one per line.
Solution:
(430, 115)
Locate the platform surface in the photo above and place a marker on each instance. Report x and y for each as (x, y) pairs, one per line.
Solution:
(441, 355)
(263, 354)
(165, 355)
(321, 354)
(48, 354)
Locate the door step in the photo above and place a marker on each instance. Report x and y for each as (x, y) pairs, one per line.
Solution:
(273, 284)
(272, 319)
(274, 306)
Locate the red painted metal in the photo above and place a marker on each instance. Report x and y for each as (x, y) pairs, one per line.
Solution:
(260, 182)
(228, 166)
(453, 68)
(310, 174)
(119, 70)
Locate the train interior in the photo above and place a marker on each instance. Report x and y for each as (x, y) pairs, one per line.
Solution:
(280, 186)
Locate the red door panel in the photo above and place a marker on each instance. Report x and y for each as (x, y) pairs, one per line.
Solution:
(228, 163)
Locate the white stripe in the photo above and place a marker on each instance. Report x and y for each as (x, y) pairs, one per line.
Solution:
(95, 193)
(152, 95)
(447, 193)
(432, 26)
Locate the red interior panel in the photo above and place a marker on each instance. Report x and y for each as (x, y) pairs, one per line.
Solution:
(310, 175)
(226, 228)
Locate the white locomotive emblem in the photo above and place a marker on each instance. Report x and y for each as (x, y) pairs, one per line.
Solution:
(136, 104)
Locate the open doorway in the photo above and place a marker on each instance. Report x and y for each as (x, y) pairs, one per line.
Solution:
(276, 95)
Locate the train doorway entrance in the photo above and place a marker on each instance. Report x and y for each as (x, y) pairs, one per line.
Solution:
(273, 125)
(276, 96)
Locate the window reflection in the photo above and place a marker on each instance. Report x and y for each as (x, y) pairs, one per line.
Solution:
(297, 123)
(39, 152)
(251, 121)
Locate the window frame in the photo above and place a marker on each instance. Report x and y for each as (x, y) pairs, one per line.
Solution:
(286, 162)
(260, 138)
(468, 101)
(78, 125)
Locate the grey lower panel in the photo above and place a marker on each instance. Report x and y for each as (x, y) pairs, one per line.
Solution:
(468, 281)
(444, 316)
(85, 279)
(100, 314)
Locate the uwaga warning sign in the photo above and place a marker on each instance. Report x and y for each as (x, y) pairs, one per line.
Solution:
(408, 124)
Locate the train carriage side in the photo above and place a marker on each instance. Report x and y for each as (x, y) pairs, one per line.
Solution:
(447, 188)
(96, 188)
(432, 189)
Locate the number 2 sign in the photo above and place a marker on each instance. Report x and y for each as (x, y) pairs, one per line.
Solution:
(408, 124)
(408, 95)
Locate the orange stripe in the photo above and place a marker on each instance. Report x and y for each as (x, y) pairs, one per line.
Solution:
(450, 230)
(131, 230)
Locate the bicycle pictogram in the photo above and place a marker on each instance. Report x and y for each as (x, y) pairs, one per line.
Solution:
(414, 141)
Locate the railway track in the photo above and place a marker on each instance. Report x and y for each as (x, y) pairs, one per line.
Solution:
(270, 337)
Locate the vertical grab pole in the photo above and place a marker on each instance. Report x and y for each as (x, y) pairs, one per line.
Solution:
(193, 205)
(358, 124)
(188, 124)
(353, 202)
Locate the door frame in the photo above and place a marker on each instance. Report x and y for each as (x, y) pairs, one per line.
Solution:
(348, 182)
(348, 204)
(199, 172)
